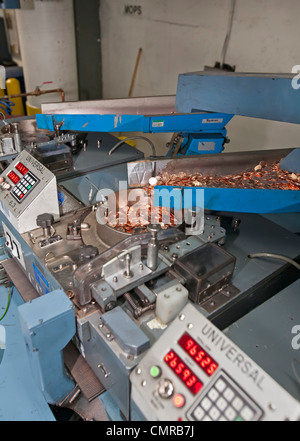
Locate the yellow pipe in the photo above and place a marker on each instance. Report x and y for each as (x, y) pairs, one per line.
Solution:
(13, 88)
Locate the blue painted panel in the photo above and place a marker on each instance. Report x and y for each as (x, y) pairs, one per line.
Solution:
(48, 324)
(10, 4)
(95, 123)
(243, 200)
(20, 398)
(136, 123)
(41, 279)
(266, 96)
(291, 162)
(190, 123)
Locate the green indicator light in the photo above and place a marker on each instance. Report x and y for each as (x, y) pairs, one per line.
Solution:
(239, 419)
(155, 371)
(29, 187)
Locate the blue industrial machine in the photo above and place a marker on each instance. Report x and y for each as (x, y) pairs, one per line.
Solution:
(114, 315)
(10, 4)
(194, 133)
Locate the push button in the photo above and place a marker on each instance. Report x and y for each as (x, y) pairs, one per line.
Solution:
(178, 400)
(155, 371)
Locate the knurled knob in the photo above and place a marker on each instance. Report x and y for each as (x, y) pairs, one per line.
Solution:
(88, 252)
(45, 220)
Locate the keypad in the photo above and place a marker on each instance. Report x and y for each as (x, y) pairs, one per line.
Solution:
(225, 401)
(24, 186)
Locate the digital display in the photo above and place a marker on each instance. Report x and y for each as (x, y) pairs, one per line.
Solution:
(198, 354)
(22, 169)
(183, 372)
(13, 177)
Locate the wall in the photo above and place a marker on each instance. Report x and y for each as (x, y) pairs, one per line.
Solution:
(48, 51)
(183, 36)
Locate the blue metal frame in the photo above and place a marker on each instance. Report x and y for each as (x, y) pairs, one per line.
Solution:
(266, 96)
(235, 200)
(21, 399)
(203, 143)
(48, 325)
(192, 123)
(204, 133)
(10, 4)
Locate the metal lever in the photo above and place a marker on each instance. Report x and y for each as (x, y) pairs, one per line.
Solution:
(153, 247)
(128, 273)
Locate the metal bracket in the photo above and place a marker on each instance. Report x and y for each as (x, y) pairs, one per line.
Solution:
(123, 271)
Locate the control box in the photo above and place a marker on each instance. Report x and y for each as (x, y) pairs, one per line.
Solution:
(27, 189)
(194, 372)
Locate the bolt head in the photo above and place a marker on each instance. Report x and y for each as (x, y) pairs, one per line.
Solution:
(154, 228)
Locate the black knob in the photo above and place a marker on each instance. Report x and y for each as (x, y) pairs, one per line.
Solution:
(88, 252)
(45, 220)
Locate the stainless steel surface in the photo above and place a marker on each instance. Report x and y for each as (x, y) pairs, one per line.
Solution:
(161, 105)
(263, 176)
(89, 384)
(220, 165)
(20, 280)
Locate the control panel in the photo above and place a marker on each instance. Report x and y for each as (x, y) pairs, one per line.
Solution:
(23, 185)
(27, 189)
(195, 373)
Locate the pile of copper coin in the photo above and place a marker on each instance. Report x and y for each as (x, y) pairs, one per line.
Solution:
(133, 220)
(264, 176)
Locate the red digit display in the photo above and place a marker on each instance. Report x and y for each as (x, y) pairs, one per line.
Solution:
(22, 169)
(183, 372)
(13, 177)
(198, 354)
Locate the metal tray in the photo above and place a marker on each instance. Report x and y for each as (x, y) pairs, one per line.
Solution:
(241, 200)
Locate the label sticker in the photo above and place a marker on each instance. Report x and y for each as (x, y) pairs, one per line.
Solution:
(41, 279)
(213, 121)
(13, 245)
(160, 123)
(206, 146)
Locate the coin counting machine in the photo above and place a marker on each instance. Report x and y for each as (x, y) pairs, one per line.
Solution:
(197, 322)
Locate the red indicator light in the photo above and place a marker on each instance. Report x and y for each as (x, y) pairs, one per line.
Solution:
(198, 354)
(179, 401)
(22, 169)
(183, 372)
(13, 177)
